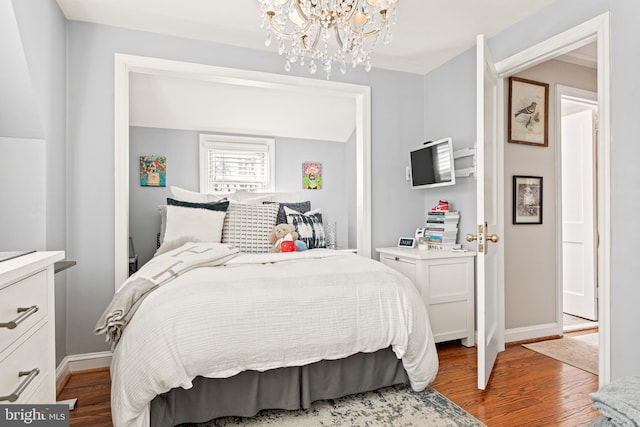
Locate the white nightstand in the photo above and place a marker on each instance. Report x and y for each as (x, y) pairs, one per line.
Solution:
(446, 281)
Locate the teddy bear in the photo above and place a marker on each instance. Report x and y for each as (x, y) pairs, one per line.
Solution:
(282, 233)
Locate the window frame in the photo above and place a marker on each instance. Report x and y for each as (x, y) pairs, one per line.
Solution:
(213, 141)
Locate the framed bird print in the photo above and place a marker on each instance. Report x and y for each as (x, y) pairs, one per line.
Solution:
(528, 112)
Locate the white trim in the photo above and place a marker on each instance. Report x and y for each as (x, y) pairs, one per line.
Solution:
(596, 29)
(579, 327)
(126, 64)
(584, 96)
(82, 362)
(533, 332)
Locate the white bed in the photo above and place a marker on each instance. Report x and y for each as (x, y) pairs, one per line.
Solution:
(258, 312)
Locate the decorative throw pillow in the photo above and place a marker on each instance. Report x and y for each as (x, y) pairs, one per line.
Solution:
(308, 226)
(220, 205)
(247, 226)
(162, 209)
(190, 224)
(245, 196)
(296, 206)
(163, 212)
(192, 196)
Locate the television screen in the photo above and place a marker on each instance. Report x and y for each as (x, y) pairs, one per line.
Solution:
(432, 164)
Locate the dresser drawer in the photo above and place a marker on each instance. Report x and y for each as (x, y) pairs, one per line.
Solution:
(32, 354)
(41, 395)
(24, 294)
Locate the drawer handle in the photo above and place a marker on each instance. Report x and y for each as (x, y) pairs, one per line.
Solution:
(23, 385)
(26, 312)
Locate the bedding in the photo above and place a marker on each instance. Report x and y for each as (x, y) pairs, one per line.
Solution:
(156, 273)
(188, 221)
(248, 226)
(184, 195)
(261, 196)
(266, 311)
(300, 207)
(309, 227)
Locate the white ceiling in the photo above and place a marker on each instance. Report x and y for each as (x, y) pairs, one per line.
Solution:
(427, 34)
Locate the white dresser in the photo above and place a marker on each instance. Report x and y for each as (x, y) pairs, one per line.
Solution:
(27, 341)
(446, 281)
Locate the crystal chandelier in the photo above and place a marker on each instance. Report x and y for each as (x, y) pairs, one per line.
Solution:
(327, 32)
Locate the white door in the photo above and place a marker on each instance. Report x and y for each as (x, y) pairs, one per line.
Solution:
(490, 252)
(578, 209)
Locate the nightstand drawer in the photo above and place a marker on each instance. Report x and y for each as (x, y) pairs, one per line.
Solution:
(401, 265)
(24, 303)
(25, 368)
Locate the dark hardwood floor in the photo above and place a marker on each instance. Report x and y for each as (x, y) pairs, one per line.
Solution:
(526, 389)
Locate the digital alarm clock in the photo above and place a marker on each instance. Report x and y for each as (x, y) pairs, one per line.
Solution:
(407, 242)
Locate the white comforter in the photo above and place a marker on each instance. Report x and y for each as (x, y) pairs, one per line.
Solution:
(259, 312)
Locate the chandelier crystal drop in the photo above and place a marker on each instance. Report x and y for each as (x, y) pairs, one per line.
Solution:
(327, 31)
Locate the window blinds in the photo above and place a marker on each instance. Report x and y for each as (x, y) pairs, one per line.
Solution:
(232, 167)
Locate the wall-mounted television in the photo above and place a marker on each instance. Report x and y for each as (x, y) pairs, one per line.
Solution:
(431, 164)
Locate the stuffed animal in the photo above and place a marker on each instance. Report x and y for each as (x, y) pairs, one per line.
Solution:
(283, 233)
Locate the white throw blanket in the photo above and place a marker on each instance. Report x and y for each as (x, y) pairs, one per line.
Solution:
(157, 272)
(619, 401)
(260, 312)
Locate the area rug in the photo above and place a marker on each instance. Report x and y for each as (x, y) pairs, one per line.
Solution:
(395, 406)
(580, 351)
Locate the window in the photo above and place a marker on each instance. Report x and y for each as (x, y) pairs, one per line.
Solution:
(230, 163)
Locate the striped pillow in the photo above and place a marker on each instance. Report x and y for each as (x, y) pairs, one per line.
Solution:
(308, 226)
(297, 206)
(248, 226)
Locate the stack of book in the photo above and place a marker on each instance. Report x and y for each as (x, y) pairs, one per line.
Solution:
(441, 231)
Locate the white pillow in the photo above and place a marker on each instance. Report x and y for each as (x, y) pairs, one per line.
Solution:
(191, 225)
(194, 197)
(259, 197)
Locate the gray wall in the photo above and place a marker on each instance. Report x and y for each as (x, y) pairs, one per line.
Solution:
(42, 30)
(449, 111)
(180, 147)
(23, 213)
(625, 147)
(332, 199)
(397, 113)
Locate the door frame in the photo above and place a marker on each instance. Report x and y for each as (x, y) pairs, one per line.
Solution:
(595, 30)
(586, 95)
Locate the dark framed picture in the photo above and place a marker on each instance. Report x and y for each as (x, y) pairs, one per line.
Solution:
(528, 112)
(527, 199)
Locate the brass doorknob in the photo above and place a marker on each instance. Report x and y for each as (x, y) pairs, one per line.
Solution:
(493, 238)
(471, 237)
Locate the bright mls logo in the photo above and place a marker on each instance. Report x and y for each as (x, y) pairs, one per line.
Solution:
(34, 415)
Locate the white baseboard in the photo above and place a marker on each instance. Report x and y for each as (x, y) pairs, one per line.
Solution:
(82, 362)
(532, 332)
